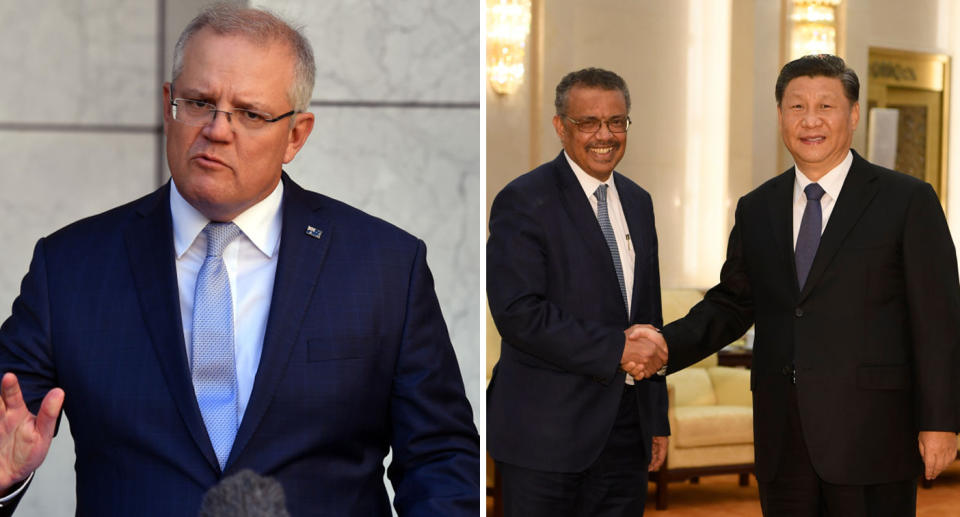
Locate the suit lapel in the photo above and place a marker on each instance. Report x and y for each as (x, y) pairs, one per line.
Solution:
(637, 224)
(584, 219)
(149, 242)
(781, 217)
(858, 190)
(302, 252)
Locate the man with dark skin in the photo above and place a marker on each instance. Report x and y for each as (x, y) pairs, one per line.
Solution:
(571, 265)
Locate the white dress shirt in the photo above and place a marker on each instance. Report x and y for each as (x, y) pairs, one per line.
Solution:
(251, 262)
(831, 182)
(617, 220)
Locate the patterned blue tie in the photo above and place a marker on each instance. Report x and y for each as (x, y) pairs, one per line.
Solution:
(212, 366)
(809, 237)
(607, 229)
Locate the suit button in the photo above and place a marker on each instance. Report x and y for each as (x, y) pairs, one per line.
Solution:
(798, 312)
(786, 370)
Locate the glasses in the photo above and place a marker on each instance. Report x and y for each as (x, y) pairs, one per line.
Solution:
(592, 125)
(199, 113)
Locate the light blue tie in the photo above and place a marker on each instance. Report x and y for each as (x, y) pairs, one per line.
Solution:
(604, 219)
(212, 365)
(808, 239)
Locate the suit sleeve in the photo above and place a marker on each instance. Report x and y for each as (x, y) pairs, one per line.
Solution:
(25, 344)
(660, 405)
(933, 300)
(724, 314)
(435, 470)
(517, 290)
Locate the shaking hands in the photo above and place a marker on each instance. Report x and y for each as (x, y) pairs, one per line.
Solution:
(644, 352)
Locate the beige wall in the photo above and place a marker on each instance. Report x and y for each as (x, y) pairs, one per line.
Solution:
(665, 52)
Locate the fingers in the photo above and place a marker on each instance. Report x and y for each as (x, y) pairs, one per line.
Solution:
(938, 449)
(934, 464)
(634, 370)
(658, 452)
(10, 393)
(49, 410)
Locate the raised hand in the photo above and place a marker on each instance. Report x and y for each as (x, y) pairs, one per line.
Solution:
(24, 437)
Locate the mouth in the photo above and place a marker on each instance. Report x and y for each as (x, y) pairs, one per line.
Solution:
(601, 150)
(812, 140)
(208, 160)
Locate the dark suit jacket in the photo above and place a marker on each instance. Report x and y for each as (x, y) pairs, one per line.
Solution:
(556, 301)
(873, 333)
(356, 360)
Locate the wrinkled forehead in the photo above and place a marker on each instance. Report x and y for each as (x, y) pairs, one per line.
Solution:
(207, 48)
(593, 100)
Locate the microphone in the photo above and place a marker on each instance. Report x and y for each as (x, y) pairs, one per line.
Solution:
(245, 494)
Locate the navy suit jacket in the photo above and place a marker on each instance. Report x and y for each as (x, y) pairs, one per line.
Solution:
(873, 334)
(555, 298)
(356, 360)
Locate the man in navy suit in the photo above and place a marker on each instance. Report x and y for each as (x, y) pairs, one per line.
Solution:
(232, 320)
(571, 265)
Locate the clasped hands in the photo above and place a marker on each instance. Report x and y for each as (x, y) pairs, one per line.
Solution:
(644, 351)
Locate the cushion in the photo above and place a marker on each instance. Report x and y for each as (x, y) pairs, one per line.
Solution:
(677, 302)
(693, 388)
(698, 426)
(731, 386)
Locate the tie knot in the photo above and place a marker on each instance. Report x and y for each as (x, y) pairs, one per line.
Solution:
(219, 235)
(814, 192)
(601, 192)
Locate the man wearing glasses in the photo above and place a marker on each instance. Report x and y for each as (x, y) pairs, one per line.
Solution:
(232, 320)
(571, 265)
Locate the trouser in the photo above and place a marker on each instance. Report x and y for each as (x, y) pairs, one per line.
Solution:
(615, 485)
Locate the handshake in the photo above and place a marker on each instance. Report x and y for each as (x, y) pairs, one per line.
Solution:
(644, 352)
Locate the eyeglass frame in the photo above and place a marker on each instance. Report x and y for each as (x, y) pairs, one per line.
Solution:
(601, 124)
(229, 113)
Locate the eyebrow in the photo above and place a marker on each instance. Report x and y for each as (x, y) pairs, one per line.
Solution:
(193, 93)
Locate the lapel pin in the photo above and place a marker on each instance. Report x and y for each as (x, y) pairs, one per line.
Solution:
(313, 232)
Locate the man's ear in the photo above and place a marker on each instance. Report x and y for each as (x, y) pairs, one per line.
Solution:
(559, 127)
(854, 115)
(167, 108)
(301, 129)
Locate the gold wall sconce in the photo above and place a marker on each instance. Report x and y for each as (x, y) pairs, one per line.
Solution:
(508, 24)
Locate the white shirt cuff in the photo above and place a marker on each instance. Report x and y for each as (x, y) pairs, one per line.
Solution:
(13, 495)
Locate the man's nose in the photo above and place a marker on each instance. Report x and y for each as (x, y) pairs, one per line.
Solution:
(219, 127)
(810, 119)
(604, 131)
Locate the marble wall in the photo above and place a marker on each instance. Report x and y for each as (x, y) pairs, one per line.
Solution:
(398, 130)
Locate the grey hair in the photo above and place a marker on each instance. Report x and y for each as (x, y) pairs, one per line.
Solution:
(245, 494)
(589, 78)
(261, 27)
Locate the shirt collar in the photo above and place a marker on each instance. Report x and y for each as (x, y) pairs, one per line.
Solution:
(260, 223)
(831, 182)
(588, 182)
